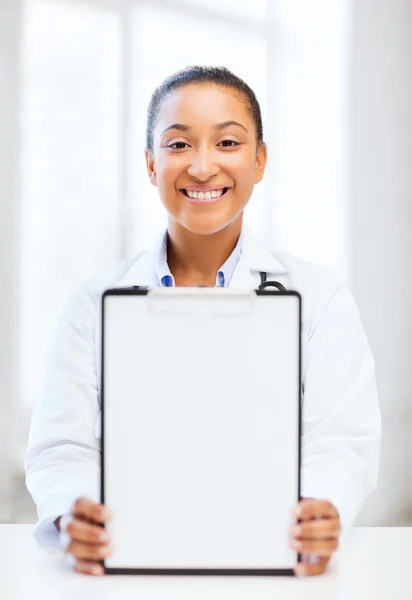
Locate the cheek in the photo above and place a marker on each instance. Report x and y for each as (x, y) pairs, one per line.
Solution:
(167, 173)
(241, 164)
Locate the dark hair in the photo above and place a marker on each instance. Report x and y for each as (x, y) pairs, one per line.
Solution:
(203, 75)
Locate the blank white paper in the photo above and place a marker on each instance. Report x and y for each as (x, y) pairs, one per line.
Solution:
(201, 428)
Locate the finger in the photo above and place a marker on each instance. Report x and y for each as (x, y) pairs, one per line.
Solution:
(88, 551)
(88, 568)
(319, 547)
(86, 509)
(81, 531)
(316, 529)
(309, 508)
(304, 568)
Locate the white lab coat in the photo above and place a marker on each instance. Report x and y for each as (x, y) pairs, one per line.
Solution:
(340, 412)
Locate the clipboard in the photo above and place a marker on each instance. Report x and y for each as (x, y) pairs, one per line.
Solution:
(201, 429)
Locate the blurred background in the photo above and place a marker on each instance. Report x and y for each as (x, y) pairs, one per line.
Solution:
(334, 81)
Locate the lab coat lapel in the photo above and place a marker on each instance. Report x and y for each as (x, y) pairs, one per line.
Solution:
(143, 269)
(255, 257)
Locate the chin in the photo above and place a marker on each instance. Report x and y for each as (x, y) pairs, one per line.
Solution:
(208, 220)
(206, 226)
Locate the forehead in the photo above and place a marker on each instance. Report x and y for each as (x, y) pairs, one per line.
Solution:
(203, 104)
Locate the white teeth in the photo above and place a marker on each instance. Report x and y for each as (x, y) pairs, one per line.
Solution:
(205, 195)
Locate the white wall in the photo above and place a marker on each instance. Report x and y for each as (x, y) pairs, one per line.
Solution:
(9, 203)
(380, 154)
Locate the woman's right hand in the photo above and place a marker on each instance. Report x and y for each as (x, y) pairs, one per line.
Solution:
(87, 541)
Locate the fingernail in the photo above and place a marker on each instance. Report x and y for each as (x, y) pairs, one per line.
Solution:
(104, 536)
(296, 545)
(300, 570)
(313, 559)
(297, 511)
(97, 570)
(296, 530)
(71, 560)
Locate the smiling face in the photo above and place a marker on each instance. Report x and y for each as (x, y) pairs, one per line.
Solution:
(205, 160)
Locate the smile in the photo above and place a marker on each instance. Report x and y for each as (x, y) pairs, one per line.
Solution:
(202, 195)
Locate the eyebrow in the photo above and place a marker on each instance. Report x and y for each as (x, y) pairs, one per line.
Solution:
(178, 126)
(181, 127)
(228, 124)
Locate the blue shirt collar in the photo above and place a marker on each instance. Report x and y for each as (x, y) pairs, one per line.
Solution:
(223, 276)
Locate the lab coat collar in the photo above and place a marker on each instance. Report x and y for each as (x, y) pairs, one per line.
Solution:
(255, 257)
(258, 257)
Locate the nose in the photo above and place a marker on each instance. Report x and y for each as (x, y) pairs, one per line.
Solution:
(203, 165)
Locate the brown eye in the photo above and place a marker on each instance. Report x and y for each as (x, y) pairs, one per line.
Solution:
(228, 144)
(178, 145)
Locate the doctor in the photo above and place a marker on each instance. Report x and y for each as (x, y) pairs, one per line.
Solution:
(205, 152)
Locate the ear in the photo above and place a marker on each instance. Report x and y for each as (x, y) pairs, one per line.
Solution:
(151, 167)
(261, 160)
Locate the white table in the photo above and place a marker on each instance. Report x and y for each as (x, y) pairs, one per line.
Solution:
(375, 564)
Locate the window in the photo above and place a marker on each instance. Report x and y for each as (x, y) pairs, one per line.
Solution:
(70, 207)
(309, 126)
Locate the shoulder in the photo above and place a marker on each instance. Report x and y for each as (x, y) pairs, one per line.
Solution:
(309, 275)
(320, 287)
(86, 297)
(114, 276)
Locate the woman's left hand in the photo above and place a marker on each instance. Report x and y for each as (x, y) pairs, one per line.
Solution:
(315, 535)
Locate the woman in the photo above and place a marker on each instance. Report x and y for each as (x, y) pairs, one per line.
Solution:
(205, 152)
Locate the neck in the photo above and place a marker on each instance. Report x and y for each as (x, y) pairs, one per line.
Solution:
(195, 259)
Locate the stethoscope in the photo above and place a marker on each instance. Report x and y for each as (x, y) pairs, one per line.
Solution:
(265, 284)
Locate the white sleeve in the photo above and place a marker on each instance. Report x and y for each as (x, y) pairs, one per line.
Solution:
(63, 455)
(341, 419)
